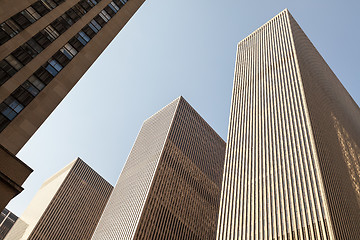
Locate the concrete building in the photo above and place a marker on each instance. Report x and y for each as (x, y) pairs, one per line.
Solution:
(292, 165)
(67, 206)
(45, 48)
(169, 187)
(7, 220)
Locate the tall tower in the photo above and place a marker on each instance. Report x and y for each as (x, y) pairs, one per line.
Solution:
(170, 185)
(7, 220)
(67, 206)
(45, 48)
(292, 165)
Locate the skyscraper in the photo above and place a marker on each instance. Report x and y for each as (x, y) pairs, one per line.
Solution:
(67, 206)
(46, 47)
(7, 220)
(169, 187)
(292, 165)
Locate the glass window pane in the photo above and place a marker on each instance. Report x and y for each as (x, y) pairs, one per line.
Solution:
(71, 49)
(95, 24)
(9, 113)
(55, 64)
(30, 88)
(51, 70)
(33, 13)
(13, 62)
(34, 45)
(36, 82)
(15, 28)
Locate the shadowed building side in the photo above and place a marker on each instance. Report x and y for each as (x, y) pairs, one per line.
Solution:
(180, 197)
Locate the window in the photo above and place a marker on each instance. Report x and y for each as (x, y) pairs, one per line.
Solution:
(104, 15)
(21, 20)
(67, 19)
(8, 71)
(31, 11)
(72, 14)
(40, 8)
(14, 104)
(9, 113)
(22, 96)
(56, 65)
(61, 58)
(35, 46)
(109, 11)
(83, 38)
(95, 24)
(85, 5)
(3, 120)
(76, 43)
(4, 37)
(100, 20)
(10, 27)
(43, 75)
(51, 70)
(60, 25)
(30, 88)
(51, 32)
(41, 39)
(68, 48)
(91, 2)
(119, 3)
(36, 82)
(114, 7)
(79, 10)
(49, 4)
(22, 55)
(89, 32)
(13, 62)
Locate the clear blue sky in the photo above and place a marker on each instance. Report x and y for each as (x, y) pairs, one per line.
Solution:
(168, 49)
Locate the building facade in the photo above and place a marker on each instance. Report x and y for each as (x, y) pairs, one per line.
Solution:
(7, 220)
(292, 165)
(45, 48)
(170, 185)
(67, 206)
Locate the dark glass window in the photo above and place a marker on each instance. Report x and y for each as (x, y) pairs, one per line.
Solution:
(83, 38)
(8, 69)
(30, 12)
(100, 20)
(40, 8)
(51, 70)
(52, 34)
(29, 50)
(41, 39)
(43, 75)
(67, 19)
(22, 96)
(14, 104)
(49, 4)
(72, 14)
(88, 31)
(14, 62)
(76, 43)
(61, 58)
(34, 45)
(30, 88)
(21, 20)
(10, 27)
(22, 55)
(85, 5)
(114, 7)
(4, 37)
(7, 111)
(79, 10)
(60, 25)
(119, 3)
(69, 51)
(36, 82)
(109, 11)
(3, 120)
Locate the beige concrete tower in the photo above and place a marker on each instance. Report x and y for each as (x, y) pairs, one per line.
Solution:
(67, 206)
(292, 165)
(45, 48)
(170, 185)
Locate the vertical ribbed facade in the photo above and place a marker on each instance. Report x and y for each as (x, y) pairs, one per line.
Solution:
(170, 185)
(67, 206)
(280, 181)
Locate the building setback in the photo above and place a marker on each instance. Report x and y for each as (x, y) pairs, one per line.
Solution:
(292, 165)
(169, 187)
(7, 220)
(67, 206)
(45, 48)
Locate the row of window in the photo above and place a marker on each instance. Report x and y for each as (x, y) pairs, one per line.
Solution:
(26, 52)
(25, 18)
(23, 95)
